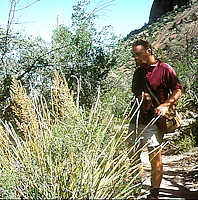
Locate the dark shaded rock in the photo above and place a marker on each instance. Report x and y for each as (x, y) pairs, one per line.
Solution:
(161, 7)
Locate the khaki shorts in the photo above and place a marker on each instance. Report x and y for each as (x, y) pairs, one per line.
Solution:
(150, 137)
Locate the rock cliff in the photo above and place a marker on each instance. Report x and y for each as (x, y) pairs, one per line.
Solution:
(161, 7)
(179, 25)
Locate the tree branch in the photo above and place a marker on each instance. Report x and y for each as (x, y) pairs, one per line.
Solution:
(27, 5)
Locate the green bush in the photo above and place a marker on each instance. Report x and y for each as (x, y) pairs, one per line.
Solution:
(117, 92)
(182, 143)
(83, 52)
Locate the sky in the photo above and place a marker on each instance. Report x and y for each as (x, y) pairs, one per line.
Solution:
(40, 18)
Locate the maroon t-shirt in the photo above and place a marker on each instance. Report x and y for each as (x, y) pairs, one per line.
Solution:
(161, 78)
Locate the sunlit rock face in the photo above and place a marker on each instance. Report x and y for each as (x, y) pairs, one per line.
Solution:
(160, 7)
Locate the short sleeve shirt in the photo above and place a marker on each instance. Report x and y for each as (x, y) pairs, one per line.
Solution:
(161, 78)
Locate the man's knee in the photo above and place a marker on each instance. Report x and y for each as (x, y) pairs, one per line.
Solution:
(155, 157)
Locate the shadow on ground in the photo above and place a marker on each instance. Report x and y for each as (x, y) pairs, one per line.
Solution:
(177, 184)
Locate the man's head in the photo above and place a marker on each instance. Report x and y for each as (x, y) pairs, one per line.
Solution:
(142, 52)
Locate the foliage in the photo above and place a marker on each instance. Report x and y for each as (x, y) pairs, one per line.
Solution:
(27, 60)
(81, 52)
(185, 63)
(117, 85)
(118, 88)
(194, 128)
(68, 154)
(84, 53)
(182, 143)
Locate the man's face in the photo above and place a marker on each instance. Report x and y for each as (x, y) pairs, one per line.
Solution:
(141, 55)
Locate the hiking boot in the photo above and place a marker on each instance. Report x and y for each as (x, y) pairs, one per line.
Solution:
(154, 193)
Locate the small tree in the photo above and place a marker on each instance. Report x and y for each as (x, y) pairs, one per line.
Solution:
(83, 52)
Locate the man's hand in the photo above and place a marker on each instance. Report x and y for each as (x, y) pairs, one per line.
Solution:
(161, 109)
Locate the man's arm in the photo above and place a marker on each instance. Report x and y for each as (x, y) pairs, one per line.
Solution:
(163, 108)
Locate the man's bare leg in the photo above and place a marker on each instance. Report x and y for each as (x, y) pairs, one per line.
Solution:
(156, 170)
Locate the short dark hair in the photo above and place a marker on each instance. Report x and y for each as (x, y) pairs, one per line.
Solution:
(143, 43)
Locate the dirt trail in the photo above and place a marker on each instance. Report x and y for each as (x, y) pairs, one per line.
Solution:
(180, 179)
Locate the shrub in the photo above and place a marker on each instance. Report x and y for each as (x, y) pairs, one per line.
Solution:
(118, 88)
(68, 154)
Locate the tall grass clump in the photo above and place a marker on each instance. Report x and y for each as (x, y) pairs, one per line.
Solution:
(61, 151)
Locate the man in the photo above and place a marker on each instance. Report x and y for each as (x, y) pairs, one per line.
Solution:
(161, 79)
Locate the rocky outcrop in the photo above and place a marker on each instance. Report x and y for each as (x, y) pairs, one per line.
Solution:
(176, 26)
(161, 7)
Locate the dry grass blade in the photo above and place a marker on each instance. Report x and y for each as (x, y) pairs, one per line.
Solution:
(63, 153)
